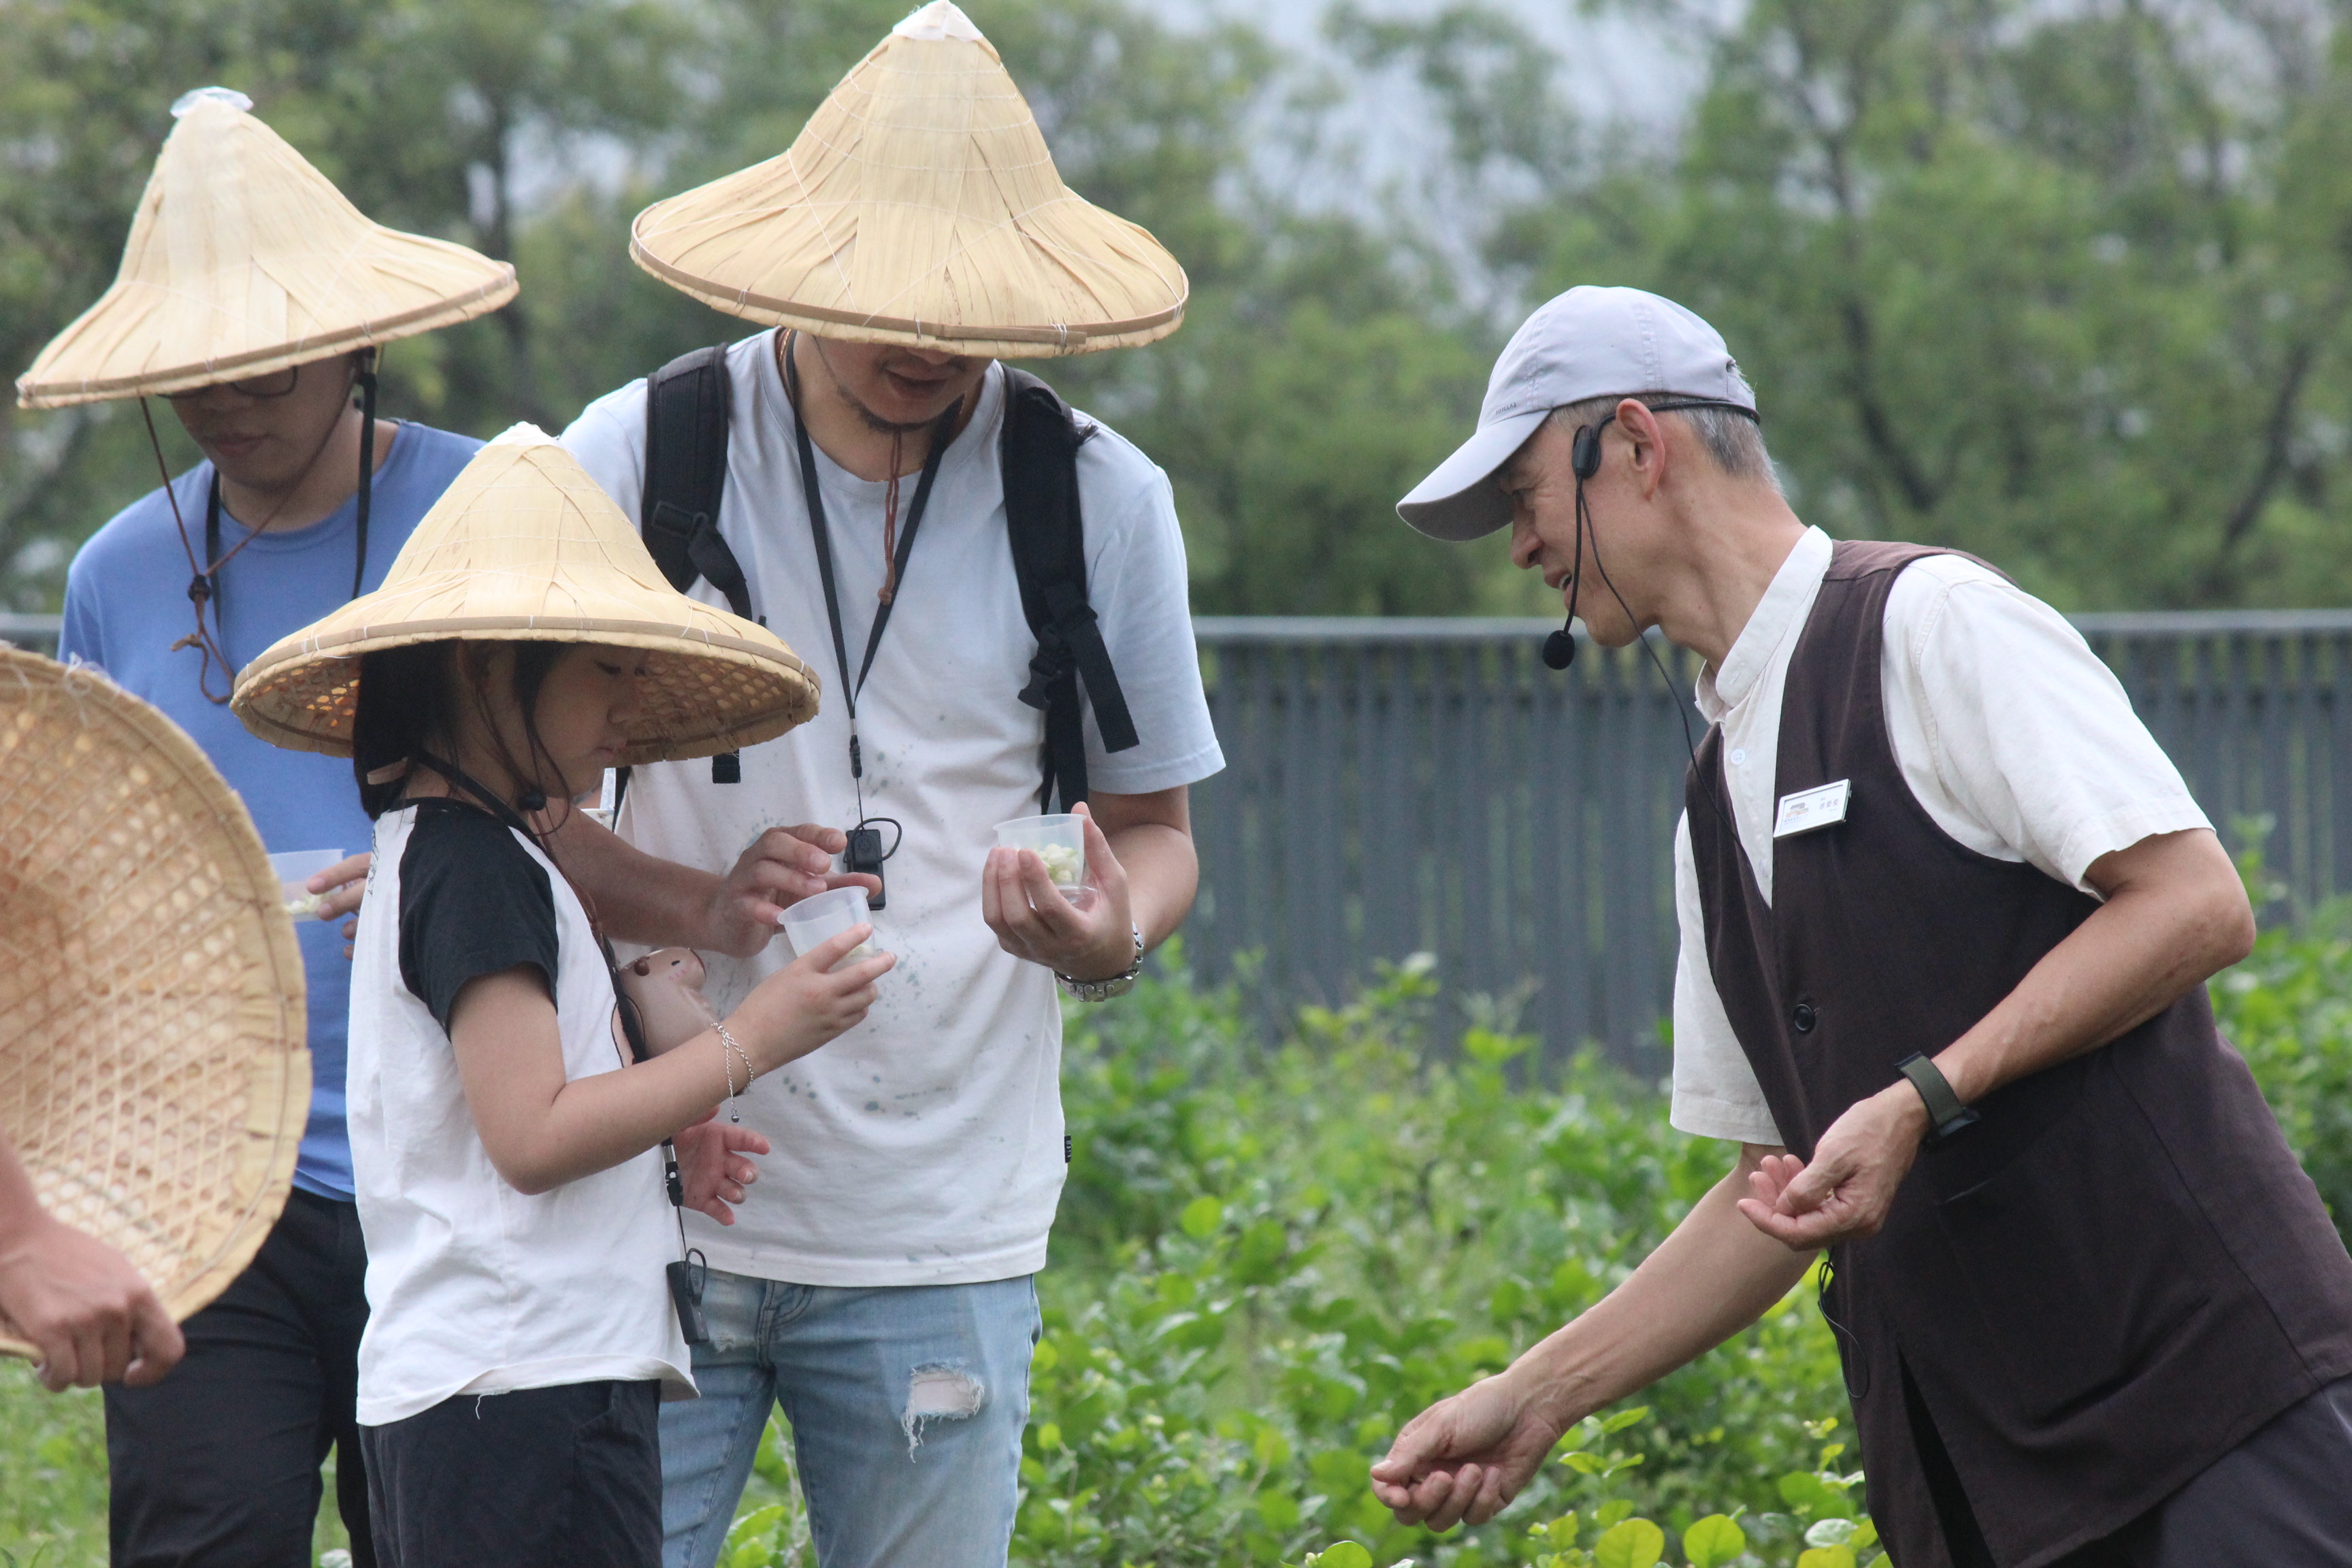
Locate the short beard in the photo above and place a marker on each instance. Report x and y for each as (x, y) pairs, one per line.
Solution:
(873, 421)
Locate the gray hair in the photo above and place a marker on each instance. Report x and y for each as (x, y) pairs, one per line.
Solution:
(1735, 441)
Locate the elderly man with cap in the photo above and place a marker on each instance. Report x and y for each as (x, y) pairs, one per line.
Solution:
(1947, 910)
(952, 549)
(252, 296)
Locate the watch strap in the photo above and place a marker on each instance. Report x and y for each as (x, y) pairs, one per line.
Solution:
(1945, 1112)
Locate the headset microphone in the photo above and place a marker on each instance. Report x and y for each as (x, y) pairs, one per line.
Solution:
(1560, 649)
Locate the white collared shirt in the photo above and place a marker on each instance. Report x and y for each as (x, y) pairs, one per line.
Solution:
(2012, 735)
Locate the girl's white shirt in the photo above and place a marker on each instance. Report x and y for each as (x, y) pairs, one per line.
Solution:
(473, 1287)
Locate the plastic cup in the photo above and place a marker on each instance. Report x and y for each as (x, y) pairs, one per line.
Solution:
(1059, 841)
(816, 920)
(295, 868)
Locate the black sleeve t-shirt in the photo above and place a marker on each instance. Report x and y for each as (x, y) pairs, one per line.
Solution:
(472, 902)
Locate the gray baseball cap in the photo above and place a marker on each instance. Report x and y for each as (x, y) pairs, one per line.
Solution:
(1587, 342)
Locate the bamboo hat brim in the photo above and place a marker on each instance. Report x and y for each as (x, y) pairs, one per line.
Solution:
(525, 547)
(153, 1080)
(244, 259)
(918, 205)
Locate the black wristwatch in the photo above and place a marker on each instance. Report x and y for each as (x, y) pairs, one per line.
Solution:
(1945, 1111)
(1104, 990)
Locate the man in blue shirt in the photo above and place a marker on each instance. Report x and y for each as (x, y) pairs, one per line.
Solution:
(252, 296)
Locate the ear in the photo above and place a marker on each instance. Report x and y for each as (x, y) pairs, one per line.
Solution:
(1647, 442)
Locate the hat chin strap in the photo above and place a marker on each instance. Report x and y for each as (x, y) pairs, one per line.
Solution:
(367, 462)
(532, 798)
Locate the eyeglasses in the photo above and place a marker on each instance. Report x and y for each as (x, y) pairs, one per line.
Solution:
(277, 384)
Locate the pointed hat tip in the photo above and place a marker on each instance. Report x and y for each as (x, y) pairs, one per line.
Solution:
(522, 434)
(939, 22)
(187, 102)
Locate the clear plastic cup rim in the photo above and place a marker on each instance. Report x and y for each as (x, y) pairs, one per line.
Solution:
(830, 904)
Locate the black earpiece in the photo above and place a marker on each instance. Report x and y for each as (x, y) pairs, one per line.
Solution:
(1585, 457)
(1560, 649)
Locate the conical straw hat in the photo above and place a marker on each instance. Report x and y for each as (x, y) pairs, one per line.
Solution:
(918, 205)
(153, 1075)
(524, 546)
(243, 259)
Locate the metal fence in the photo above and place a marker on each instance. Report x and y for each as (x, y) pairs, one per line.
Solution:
(1398, 786)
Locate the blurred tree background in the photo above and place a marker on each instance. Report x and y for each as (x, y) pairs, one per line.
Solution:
(2066, 284)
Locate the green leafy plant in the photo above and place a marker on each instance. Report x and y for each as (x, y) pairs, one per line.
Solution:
(1273, 1251)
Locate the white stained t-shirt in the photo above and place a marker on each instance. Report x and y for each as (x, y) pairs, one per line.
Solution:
(925, 1145)
(472, 1286)
(2012, 735)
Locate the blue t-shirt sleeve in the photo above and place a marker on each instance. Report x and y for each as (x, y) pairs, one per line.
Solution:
(80, 637)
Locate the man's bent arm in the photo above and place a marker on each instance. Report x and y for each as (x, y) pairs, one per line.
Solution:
(2175, 914)
(1152, 836)
(639, 896)
(1466, 1457)
(642, 897)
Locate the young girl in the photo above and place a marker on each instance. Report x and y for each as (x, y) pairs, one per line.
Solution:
(522, 1327)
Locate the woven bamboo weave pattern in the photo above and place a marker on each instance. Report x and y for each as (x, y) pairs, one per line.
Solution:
(244, 259)
(524, 545)
(919, 204)
(152, 1074)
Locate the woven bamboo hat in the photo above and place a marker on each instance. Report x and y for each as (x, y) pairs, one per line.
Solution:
(153, 1075)
(918, 205)
(244, 259)
(524, 546)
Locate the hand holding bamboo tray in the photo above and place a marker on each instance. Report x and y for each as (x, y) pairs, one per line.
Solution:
(154, 1079)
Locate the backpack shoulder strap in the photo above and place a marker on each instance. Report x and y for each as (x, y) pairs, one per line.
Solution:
(686, 408)
(1047, 529)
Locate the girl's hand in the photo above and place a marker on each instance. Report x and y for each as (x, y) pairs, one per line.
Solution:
(711, 1160)
(808, 1003)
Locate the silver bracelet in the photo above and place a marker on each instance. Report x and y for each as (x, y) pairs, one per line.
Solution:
(727, 1065)
(1115, 985)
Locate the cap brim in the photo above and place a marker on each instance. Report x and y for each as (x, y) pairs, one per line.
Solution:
(1459, 499)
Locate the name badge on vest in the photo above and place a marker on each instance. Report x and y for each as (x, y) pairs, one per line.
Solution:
(1812, 808)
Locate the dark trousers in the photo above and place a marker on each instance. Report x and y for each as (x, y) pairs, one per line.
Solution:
(2283, 1496)
(218, 1464)
(567, 1477)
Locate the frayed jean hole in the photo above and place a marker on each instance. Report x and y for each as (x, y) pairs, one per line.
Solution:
(938, 1393)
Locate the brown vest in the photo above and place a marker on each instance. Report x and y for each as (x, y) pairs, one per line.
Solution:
(2116, 1276)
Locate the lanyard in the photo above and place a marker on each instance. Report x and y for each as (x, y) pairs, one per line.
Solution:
(941, 433)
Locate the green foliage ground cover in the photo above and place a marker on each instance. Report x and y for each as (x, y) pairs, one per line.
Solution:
(1271, 1254)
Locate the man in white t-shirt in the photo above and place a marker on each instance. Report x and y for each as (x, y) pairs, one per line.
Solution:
(1947, 910)
(876, 1281)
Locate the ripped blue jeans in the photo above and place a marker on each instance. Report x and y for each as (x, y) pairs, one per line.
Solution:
(907, 1404)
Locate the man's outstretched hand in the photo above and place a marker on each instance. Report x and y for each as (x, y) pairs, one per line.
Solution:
(1846, 1190)
(1464, 1458)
